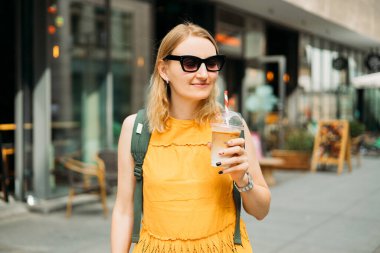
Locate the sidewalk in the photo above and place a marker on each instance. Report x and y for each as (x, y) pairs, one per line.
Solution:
(310, 213)
(322, 213)
(86, 231)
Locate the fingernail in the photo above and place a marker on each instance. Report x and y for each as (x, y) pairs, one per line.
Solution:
(218, 164)
(220, 172)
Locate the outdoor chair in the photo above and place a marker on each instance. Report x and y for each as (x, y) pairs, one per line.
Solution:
(107, 160)
(85, 178)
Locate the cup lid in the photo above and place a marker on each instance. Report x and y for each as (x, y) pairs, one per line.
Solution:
(229, 119)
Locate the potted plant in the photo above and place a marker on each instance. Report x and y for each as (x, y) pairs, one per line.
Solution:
(298, 148)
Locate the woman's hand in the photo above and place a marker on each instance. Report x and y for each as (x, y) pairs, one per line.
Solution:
(239, 158)
(235, 161)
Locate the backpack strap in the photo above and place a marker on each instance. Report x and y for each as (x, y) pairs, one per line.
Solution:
(139, 146)
(237, 201)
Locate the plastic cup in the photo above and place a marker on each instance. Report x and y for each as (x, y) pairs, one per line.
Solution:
(228, 125)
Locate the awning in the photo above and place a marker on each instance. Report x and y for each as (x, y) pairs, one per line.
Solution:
(367, 81)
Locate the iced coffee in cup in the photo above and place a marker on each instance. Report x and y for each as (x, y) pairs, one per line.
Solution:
(228, 125)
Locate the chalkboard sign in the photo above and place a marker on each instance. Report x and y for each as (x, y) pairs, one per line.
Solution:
(332, 145)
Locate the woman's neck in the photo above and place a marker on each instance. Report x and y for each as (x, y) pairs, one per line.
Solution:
(183, 110)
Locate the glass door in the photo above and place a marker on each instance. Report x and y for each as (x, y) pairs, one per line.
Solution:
(77, 40)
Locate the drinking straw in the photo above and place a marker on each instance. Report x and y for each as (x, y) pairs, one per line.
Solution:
(226, 101)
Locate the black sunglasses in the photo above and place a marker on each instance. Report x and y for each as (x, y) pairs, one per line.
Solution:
(191, 63)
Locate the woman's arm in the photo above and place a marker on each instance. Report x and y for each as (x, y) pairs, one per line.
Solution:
(243, 159)
(122, 215)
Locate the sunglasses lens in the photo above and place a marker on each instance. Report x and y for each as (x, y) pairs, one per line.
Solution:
(214, 63)
(190, 63)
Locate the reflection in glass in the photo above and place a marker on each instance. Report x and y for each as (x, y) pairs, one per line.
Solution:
(323, 92)
(79, 82)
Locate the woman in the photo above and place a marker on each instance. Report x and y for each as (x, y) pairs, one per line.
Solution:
(188, 205)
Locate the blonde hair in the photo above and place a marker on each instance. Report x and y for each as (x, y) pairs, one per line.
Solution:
(159, 94)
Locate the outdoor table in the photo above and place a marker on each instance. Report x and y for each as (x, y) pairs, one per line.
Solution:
(267, 165)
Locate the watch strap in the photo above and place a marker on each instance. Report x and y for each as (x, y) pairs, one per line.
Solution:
(248, 187)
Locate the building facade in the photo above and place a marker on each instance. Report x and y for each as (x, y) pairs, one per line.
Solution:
(78, 68)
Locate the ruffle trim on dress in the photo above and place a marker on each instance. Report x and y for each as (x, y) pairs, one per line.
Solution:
(221, 242)
(179, 140)
(179, 137)
(179, 144)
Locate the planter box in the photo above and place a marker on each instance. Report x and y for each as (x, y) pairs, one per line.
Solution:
(293, 160)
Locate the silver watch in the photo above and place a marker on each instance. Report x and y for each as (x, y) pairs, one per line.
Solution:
(248, 187)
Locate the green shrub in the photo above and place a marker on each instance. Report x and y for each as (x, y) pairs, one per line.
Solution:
(356, 128)
(299, 139)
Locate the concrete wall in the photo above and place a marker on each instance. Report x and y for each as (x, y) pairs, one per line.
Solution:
(361, 16)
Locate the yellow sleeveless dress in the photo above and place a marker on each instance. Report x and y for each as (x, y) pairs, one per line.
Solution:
(187, 206)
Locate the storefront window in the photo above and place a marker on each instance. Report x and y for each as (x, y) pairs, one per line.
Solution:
(316, 67)
(78, 80)
(371, 109)
(230, 33)
(123, 55)
(326, 69)
(325, 90)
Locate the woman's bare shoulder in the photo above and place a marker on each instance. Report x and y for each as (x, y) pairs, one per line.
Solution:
(128, 123)
(130, 119)
(126, 131)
